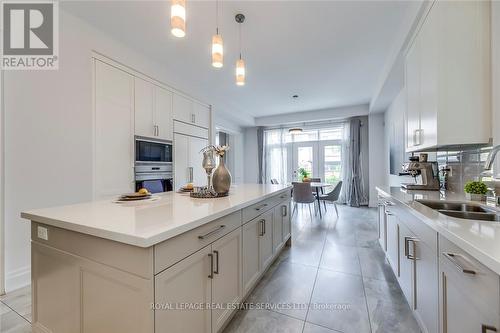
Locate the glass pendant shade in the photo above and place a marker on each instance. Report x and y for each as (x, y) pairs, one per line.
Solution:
(178, 18)
(240, 72)
(217, 51)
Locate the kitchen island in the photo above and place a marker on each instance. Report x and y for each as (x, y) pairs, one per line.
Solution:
(173, 264)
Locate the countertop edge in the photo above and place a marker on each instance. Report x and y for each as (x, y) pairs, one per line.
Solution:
(481, 256)
(150, 241)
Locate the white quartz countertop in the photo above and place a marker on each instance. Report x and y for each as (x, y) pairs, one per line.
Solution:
(481, 239)
(148, 223)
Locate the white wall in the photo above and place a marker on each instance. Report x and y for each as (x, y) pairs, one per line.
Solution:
(48, 133)
(378, 166)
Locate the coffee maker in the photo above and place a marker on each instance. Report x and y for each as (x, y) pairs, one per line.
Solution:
(425, 174)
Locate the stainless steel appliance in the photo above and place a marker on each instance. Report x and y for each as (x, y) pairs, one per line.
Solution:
(156, 178)
(425, 175)
(153, 151)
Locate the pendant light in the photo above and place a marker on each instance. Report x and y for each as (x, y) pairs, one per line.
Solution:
(178, 18)
(295, 130)
(217, 45)
(240, 63)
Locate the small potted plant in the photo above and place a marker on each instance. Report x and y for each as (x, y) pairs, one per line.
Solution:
(475, 191)
(304, 174)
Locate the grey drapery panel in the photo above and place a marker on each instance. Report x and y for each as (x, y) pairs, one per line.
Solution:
(353, 192)
(260, 152)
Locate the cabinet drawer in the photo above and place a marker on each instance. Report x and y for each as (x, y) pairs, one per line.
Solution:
(178, 248)
(479, 286)
(255, 210)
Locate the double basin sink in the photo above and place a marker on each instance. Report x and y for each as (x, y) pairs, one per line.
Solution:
(463, 210)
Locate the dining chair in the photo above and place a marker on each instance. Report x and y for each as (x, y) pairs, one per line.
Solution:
(274, 181)
(332, 196)
(302, 193)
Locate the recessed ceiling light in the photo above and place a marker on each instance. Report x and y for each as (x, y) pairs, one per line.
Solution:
(295, 96)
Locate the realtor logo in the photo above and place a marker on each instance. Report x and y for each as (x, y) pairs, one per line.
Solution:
(30, 35)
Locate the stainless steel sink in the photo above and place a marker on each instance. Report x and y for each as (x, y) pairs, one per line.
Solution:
(463, 210)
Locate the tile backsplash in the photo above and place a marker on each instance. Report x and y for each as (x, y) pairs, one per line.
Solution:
(464, 165)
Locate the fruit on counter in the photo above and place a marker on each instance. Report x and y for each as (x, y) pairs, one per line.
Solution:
(188, 186)
(143, 191)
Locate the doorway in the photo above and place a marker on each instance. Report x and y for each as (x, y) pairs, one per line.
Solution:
(321, 159)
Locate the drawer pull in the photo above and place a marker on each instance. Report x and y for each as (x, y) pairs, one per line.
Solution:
(211, 275)
(452, 257)
(210, 233)
(216, 271)
(260, 207)
(486, 328)
(407, 248)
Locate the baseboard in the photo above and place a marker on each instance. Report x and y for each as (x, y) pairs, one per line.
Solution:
(18, 278)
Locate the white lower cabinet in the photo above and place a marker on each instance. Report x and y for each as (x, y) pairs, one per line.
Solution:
(469, 293)
(393, 242)
(278, 227)
(382, 225)
(287, 220)
(406, 263)
(187, 282)
(266, 240)
(251, 254)
(227, 288)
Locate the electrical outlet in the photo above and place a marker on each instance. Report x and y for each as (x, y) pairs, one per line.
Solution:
(43, 233)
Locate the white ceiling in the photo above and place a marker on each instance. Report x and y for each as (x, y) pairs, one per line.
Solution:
(330, 53)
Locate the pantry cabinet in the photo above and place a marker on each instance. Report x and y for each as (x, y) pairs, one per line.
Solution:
(447, 77)
(114, 131)
(188, 159)
(153, 110)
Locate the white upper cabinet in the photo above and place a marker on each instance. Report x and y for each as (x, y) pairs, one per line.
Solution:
(190, 112)
(114, 131)
(448, 77)
(153, 110)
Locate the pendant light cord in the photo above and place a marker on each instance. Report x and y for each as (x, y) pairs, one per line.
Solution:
(240, 39)
(217, 16)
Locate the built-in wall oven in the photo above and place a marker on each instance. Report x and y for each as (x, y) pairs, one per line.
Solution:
(153, 165)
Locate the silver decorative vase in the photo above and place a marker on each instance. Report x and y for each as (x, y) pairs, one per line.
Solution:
(221, 178)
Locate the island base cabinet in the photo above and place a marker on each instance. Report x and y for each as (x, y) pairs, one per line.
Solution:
(287, 221)
(469, 293)
(186, 283)
(278, 227)
(257, 249)
(227, 280)
(71, 294)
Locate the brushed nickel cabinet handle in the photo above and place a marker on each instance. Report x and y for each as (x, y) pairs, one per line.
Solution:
(211, 275)
(262, 228)
(157, 130)
(452, 257)
(486, 328)
(190, 174)
(445, 302)
(210, 233)
(284, 211)
(216, 271)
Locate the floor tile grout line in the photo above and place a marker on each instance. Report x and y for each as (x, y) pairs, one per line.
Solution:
(322, 326)
(13, 310)
(314, 284)
(364, 292)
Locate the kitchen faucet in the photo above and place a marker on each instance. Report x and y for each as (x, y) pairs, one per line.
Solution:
(491, 158)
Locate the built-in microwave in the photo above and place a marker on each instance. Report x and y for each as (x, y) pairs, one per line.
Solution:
(152, 151)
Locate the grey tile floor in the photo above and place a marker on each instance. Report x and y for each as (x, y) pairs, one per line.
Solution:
(332, 262)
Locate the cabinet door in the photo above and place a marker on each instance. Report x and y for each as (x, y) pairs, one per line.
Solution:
(195, 160)
(181, 160)
(425, 302)
(187, 282)
(429, 69)
(251, 267)
(114, 131)
(182, 109)
(201, 115)
(393, 242)
(144, 108)
(266, 239)
(163, 113)
(278, 227)
(287, 221)
(382, 227)
(412, 78)
(406, 263)
(227, 286)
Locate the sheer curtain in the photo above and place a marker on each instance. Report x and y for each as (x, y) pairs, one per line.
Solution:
(275, 156)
